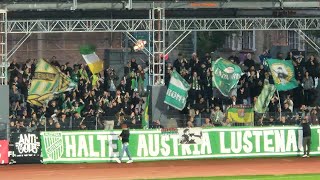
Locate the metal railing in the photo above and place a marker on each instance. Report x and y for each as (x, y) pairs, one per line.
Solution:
(204, 120)
(3, 130)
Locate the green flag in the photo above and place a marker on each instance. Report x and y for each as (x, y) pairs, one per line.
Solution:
(283, 74)
(225, 75)
(145, 117)
(177, 92)
(47, 81)
(264, 98)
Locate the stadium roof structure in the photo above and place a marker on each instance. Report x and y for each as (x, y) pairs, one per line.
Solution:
(16, 5)
(156, 18)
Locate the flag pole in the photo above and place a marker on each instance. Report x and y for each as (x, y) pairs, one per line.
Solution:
(280, 110)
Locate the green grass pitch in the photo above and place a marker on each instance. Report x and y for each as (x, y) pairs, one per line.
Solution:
(258, 177)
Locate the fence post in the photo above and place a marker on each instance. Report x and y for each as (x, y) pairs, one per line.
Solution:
(96, 122)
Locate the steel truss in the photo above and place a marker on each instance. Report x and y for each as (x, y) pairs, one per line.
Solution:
(141, 4)
(157, 25)
(130, 25)
(3, 48)
(308, 40)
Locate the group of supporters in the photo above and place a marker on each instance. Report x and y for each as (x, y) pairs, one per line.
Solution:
(207, 107)
(105, 101)
(98, 102)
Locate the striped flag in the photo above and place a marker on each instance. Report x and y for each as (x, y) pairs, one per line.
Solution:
(264, 98)
(240, 114)
(177, 92)
(145, 117)
(47, 81)
(89, 55)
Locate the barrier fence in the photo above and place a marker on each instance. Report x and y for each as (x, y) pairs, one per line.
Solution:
(164, 144)
(145, 145)
(236, 118)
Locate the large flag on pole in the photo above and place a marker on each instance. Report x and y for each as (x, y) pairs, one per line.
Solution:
(89, 55)
(145, 117)
(177, 92)
(283, 74)
(47, 81)
(264, 98)
(225, 75)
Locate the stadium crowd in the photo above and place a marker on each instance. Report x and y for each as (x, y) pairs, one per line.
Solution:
(99, 102)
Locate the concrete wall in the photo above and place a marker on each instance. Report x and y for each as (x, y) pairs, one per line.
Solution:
(65, 46)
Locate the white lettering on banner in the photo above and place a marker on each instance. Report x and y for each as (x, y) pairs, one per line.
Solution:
(102, 139)
(27, 144)
(273, 141)
(280, 145)
(71, 147)
(300, 146)
(185, 149)
(267, 142)
(82, 146)
(291, 141)
(226, 76)
(257, 136)
(142, 146)
(91, 147)
(196, 149)
(236, 142)
(165, 150)
(247, 147)
(112, 146)
(206, 144)
(159, 145)
(318, 131)
(153, 142)
(223, 148)
(175, 140)
(176, 96)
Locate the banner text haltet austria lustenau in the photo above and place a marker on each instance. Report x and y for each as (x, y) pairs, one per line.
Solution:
(103, 146)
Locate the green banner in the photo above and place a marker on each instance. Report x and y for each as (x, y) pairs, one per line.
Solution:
(145, 145)
(225, 75)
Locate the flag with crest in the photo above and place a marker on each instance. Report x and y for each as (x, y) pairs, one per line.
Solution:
(47, 81)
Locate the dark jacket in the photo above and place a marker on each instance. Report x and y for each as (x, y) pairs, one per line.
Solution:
(125, 135)
(306, 130)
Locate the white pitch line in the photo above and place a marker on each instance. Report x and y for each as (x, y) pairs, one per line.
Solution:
(277, 177)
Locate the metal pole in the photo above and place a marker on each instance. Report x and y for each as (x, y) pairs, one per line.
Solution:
(126, 44)
(195, 41)
(74, 5)
(96, 123)
(280, 110)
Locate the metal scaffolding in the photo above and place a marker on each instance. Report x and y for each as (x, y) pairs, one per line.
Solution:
(157, 26)
(157, 66)
(142, 25)
(3, 48)
(141, 4)
(308, 40)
